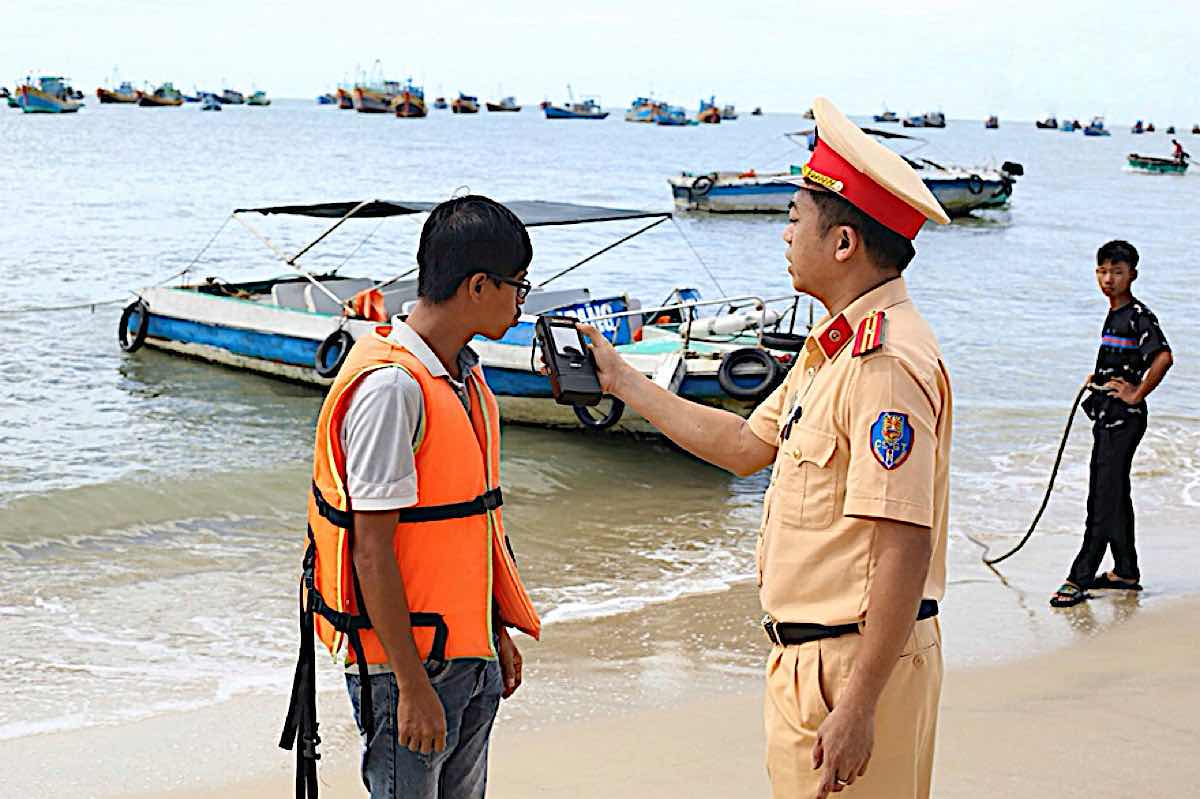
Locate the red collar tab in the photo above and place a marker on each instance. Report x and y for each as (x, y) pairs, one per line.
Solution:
(836, 336)
(870, 334)
(829, 169)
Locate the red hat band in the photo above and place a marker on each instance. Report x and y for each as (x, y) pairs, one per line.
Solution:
(835, 173)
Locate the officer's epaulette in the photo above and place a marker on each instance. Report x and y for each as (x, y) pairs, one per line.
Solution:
(870, 334)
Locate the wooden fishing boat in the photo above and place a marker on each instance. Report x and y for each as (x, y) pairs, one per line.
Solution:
(729, 112)
(1049, 123)
(409, 103)
(673, 116)
(345, 99)
(440, 103)
(1096, 128)
(508, 104)
(1158, 166)
(123, 94)
(259, 97)
(587, 109)
(231, 97)
(209, 102)
(887, 116)
(643, 109)
(300, 327)
(709, 114)
(52, 95)
(465, 104)
(162, 97)
(992, 123)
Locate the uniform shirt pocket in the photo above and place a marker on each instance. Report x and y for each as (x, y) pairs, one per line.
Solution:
(807, 489)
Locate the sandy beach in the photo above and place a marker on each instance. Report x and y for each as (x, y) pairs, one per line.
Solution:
(1113, 715)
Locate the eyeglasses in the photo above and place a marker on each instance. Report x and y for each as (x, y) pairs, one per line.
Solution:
(523, 287)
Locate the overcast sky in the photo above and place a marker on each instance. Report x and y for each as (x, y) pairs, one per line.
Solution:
(1016, 58)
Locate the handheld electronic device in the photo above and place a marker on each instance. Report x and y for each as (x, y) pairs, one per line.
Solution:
(570, 363)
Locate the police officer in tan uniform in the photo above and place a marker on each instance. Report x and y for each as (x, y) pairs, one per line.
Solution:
(852, 552)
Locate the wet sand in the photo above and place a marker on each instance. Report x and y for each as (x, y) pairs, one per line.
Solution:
(1111, 716)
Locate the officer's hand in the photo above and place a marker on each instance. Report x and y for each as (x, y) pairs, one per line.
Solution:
(510, 664)
(610, 367)
(844, 743)
(1123, 390)
(420, 717)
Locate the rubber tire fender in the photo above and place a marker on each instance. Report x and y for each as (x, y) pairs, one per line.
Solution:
(340, 339)
(701, 186)
(140, 307)
(785, 342)
(604, 422)
(748, 355)
(975, 184)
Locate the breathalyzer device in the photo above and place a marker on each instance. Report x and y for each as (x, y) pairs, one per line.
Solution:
(570, 363)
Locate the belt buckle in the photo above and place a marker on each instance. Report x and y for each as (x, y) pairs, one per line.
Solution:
(771, 627)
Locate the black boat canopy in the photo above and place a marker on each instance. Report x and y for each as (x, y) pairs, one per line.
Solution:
(534, 213)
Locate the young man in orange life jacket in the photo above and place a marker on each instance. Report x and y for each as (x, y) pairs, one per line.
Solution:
(406, 519)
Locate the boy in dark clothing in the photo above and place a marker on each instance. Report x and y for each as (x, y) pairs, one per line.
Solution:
(1134, 356)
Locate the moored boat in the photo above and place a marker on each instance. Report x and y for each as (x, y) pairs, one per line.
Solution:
(164, 96)
(301, 327)
(1196, 130)
(757, 112)
(673, 116)
(887, 116)
(376, 98)
(588, 108)
(231, 97)
(440, 103)
(52, 95)
(1158, 166)
(1096, 128)
(960, 190)
(992, 123)
(728, 112)
(643, 109)
(123, 94)
(709, 114)
(209, 102)
(1049, 123)
(465, 104)
(410, 102)
(345, 98)
(930, 119)
(326, 99)
(507, 104)
(259, 97)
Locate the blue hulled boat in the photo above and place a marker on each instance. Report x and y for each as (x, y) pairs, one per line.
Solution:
(300, 326)
(52, 95)
(587, 109)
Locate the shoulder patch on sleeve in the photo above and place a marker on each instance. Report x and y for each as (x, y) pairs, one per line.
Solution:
(870, 334)
(891, 439)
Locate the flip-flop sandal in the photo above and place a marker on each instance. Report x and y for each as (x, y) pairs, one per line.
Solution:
(1067, 596)
(1104, 581)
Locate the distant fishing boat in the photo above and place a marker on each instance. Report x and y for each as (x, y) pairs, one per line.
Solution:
(757, 112)
(930, 119)
(440, 103)
(709, 114)
(1196, 130)
(300, 327)
(508, 104)
(231, 97)
(410, 102)
(125, 93)
(162, 97)
(643, 109)
(729, 112)
(1158, 166)
(673, 116)
(1067, 126)
(345, 99)
(959, 189)
(1049, 123)
(886, 116)
(992, 123)
(465, 104)
(1096, 128)
(376, 98)
(326, 99)
(209, 102)
(808, 114)
(588, 108)
(259, 97)
(52, 95)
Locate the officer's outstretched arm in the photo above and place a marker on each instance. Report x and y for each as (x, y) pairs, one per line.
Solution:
(719, 437)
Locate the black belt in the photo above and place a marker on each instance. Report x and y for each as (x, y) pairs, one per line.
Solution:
(787, 633)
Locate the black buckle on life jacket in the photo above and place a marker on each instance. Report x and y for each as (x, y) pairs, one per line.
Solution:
(487, 501)
(335, 516)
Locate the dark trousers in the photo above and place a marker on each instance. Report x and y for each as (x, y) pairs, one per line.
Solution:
(1109, 505)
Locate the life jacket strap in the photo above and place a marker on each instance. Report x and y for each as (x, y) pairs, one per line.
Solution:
(487, 501)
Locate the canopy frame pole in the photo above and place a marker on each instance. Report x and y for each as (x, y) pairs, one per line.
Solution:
(600, 252)
(290, 262)
(323, 236)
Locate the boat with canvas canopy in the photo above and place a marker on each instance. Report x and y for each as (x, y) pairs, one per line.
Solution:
(728, 352)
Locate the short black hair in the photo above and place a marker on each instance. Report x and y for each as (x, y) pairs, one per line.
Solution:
(465, 236)
(1117, 252)
(886, 247)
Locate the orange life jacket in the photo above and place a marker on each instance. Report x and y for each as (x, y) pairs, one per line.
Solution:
(450, 547)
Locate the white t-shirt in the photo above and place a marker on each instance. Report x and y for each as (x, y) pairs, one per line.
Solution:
(381, 423)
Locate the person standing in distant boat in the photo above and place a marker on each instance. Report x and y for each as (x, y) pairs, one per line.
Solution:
(1133, 359)
(1180, 154)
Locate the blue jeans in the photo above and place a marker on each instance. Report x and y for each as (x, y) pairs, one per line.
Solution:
(470, 692)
